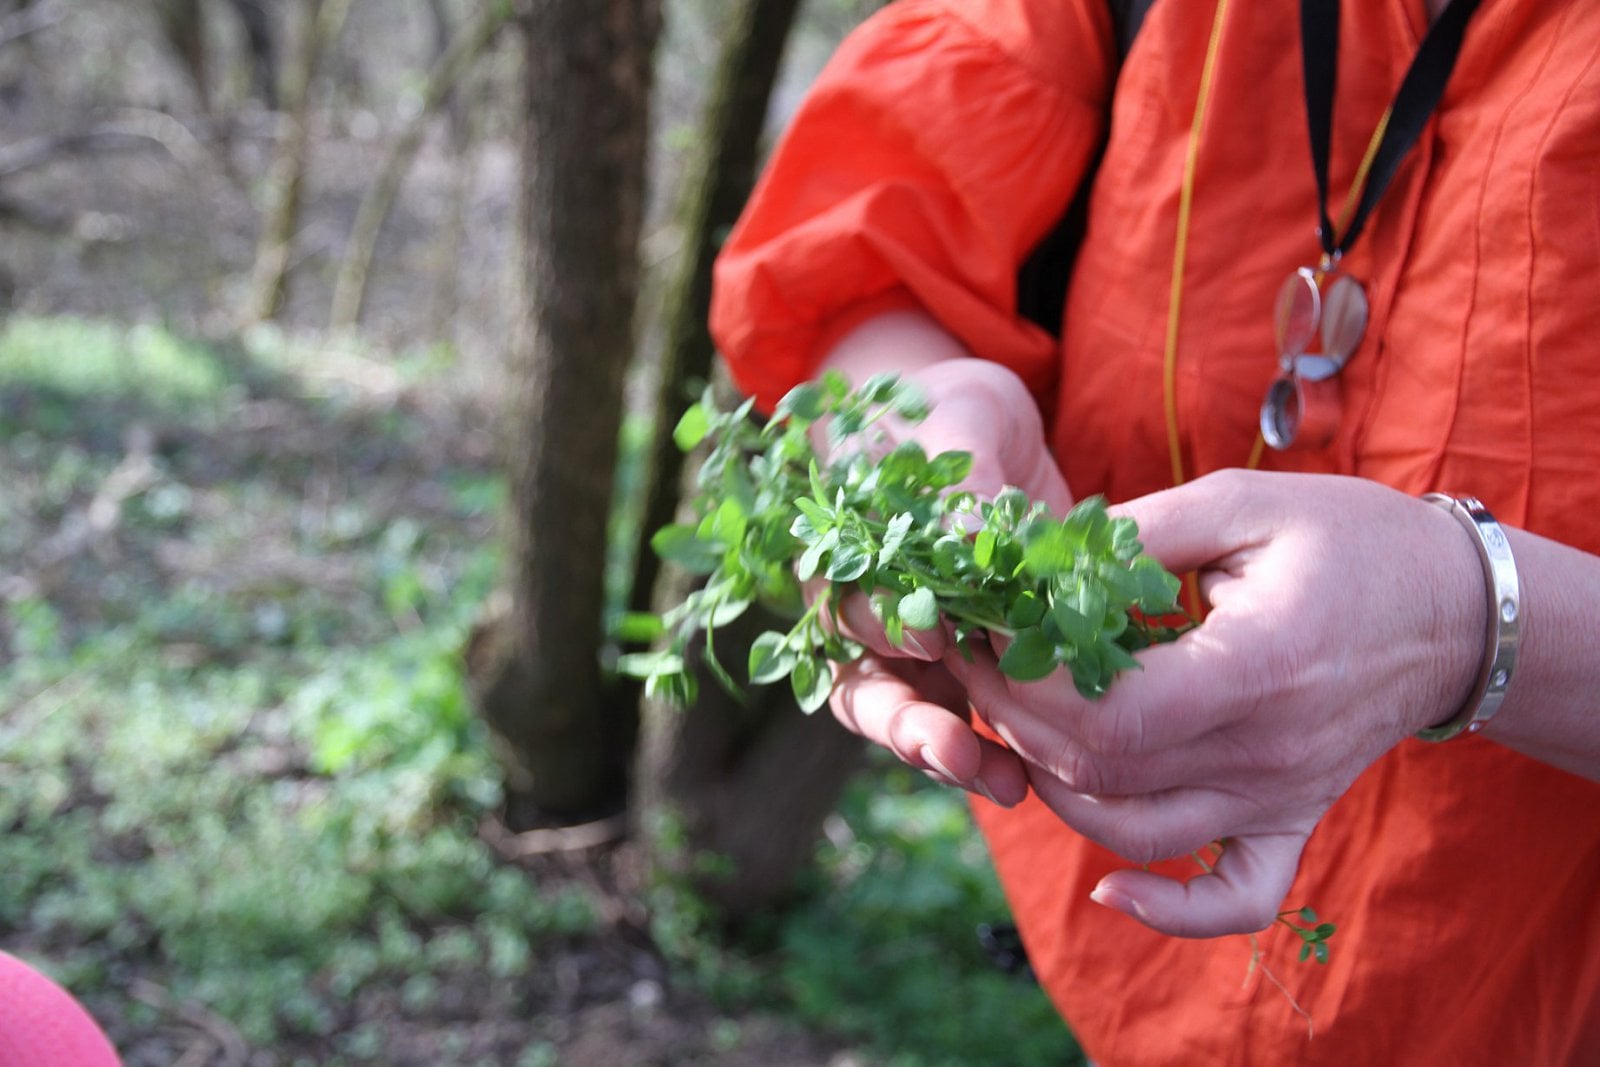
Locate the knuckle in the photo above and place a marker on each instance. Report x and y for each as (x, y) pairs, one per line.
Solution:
(1225, 487)
(1078, 769)
(1113, 732)
(1140, 846)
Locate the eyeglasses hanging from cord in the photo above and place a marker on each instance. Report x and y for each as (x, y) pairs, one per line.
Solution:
(1321, 314)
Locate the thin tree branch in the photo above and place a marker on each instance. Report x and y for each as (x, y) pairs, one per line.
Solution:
(349, 290)
(31, 20)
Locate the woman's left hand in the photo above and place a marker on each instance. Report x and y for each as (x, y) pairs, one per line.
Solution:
(1344, 616)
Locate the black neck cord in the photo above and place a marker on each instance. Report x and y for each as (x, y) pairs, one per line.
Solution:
(1413, 105)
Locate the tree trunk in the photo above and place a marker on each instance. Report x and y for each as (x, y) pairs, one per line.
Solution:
(715, 189)
(462, 110)
(350, 287)
(261, 42)
(320, 24)
(588, 87)
(749, 784)
(183, 24)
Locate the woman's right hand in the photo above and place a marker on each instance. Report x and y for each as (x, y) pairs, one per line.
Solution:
(902, 697)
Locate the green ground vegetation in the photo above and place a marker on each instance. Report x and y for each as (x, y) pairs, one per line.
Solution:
(241, 773)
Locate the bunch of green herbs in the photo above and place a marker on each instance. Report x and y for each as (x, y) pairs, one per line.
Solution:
(772, 514)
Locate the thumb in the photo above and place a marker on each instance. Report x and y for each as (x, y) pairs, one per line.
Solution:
(1243, 893)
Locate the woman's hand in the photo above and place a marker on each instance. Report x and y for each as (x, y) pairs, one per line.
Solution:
(903, 697)
(1344, 617)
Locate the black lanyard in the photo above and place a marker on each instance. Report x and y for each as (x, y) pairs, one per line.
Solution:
(1413, 104)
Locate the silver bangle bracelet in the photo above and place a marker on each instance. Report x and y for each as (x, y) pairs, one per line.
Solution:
(1504, 626)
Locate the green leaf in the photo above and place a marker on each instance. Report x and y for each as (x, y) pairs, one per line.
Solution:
(811, 558)
(812, 682)
(806, 402)
(1125, 539)
(727, 523)
(880, 388)
(1075, 628)
(1088, 670)
(983, 547)
(894, 628)
(692, 428)
(725, 611)
(949, 552)
(909, 403)
(820, 516)
(1047, 551)
(679, 544)
(850, 560)
(1158, 590)
(819, 491)
(1091, 600)
(1030, 656)
(1116, 658)
(919, 609)
(676, 688)
(1025, 611)
(645, 664)
(949, 468)
(894, 535)
(1011, 504)
(638, 627)
(771, 658)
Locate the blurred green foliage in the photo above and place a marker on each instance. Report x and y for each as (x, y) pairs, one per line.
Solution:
(257, 791)
(886, 947)
(258, 785)
(83, 357)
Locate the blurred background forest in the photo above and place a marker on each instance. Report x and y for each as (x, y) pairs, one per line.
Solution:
(338, 341)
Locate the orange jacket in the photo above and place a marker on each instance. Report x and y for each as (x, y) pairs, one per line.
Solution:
(938, 146)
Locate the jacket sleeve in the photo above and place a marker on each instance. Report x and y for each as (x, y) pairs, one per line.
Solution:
(939, 144)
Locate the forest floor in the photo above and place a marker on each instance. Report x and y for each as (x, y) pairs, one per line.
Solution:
(161, 232)
(246, 529)
(246, 603)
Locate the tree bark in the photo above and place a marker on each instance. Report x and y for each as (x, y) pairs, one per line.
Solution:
(589, 73)
(320, 24)
(715, 188)
(350, 286)
(751, 783)
(183, 25)
(24, 18)
(261, 42)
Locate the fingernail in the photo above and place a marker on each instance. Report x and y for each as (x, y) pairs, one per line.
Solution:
(933, 761)
(909, 643)
(988, 794)
(1110, 897)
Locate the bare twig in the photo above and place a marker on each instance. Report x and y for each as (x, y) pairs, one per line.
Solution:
(31, 20)
(198, 1054)
(235, 1050)
(349, 290)
(259, 569)
(93, 525)
(553, 839)
(269, 277)
(182, 143)
(35, 152)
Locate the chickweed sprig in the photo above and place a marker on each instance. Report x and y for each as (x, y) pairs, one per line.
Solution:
(1312, 932)
(1074, 592)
